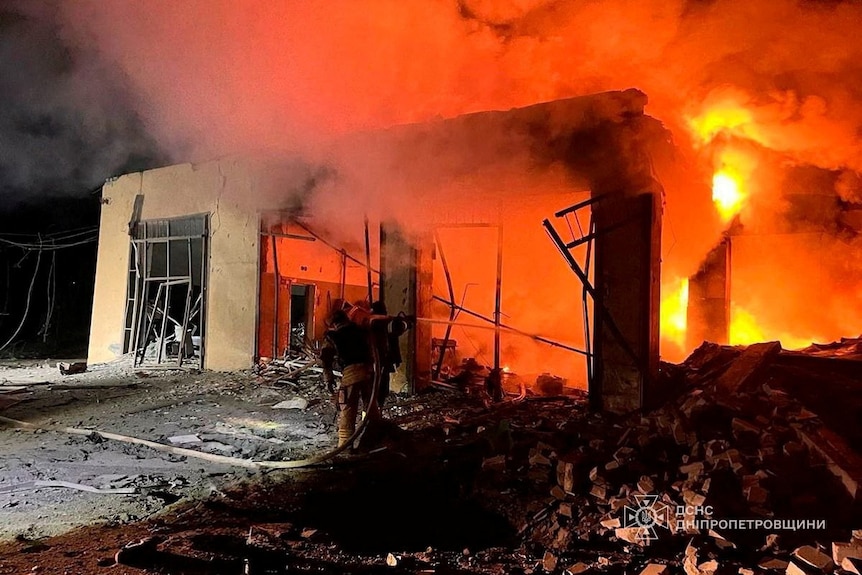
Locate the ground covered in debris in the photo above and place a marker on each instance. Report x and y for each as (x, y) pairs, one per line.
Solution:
(222, 414)
(735, 473)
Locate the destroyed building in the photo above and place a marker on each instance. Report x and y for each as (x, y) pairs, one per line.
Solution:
(225, 263)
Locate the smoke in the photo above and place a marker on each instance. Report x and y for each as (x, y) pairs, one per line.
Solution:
(228, 77)
(66, 121)
(212, 77)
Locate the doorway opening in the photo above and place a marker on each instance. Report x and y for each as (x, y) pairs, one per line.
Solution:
(301, 316)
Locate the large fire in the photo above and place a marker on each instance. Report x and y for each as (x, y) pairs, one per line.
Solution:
(723, 117)
(726, 193)
(725, 77)
(730, 137)
(744, 330)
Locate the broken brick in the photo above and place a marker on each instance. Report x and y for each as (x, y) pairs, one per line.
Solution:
(741, 427)
(755, 494)
(623, 454)
(693, 499)
(536, 458)
(842, 550)
(497, 463)
(693, 470)
(611, 523)
(646, 484)
(630, 534)
(599, 491)
(852, 565)
(814, 557)
(566, 475)
(773, 564)
(655, 569)
(746, 369)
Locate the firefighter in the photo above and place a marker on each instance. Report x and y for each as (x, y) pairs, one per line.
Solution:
(350, 343)
(385, 335)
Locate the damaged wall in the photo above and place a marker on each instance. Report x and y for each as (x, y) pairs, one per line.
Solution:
(522, 165)
(220, 188)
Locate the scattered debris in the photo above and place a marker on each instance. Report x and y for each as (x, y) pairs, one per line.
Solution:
(72, 368)
(655, 569)
(184, 439)
(569, 481)
(813, 557)
(295, 403)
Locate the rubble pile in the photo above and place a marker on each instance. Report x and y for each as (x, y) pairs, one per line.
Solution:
(733, 472)
(749, 467)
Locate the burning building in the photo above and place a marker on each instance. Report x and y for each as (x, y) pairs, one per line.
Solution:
(235, 260)
(784, 266)
(450, 221)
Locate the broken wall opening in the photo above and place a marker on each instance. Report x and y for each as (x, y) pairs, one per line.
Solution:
(166, 297)
(303, 274)
(541, 339)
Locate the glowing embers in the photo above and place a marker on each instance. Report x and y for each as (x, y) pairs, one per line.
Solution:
(674, 309)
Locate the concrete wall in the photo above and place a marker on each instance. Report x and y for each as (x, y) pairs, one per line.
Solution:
(224, 189)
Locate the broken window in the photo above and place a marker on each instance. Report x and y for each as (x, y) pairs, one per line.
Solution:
(165, 309)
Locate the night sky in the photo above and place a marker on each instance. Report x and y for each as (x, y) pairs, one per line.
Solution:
(66, 125)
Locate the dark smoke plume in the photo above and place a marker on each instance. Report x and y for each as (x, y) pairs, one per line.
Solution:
(67, 121)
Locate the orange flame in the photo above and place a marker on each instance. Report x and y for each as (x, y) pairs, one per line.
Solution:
(726, 117)
(727, 193)
(673, 313)
(724, 111)
(745, 330)
(732, 181)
